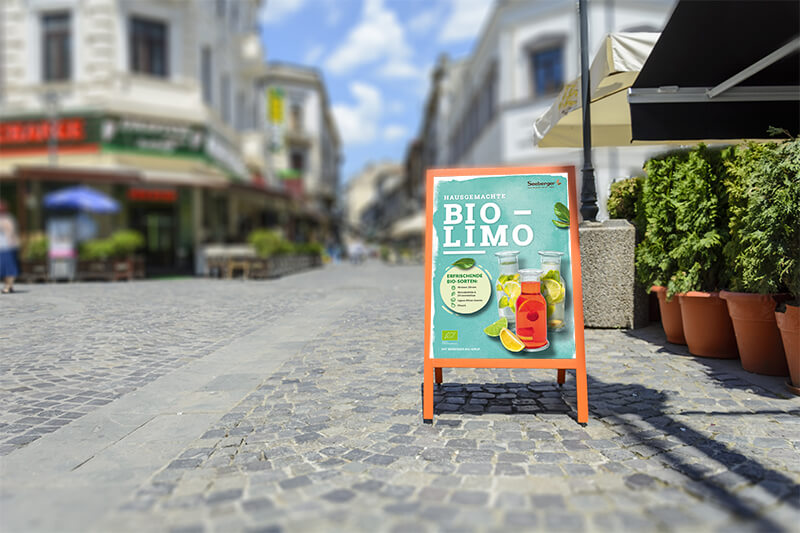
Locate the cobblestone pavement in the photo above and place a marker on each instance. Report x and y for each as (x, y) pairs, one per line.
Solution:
(69, 349)
(333, 440)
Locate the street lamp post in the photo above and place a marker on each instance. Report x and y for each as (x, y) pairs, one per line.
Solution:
(588, 188)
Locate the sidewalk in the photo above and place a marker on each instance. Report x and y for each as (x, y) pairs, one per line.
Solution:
(309, 420)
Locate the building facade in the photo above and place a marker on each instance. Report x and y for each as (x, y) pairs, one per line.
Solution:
(374, 199)
(481, 110)
(160, 104)
(304, 153)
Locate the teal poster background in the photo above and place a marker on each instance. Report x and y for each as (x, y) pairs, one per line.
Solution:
(533, 197)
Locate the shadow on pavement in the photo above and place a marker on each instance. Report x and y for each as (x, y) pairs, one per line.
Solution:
(716, 369)
(638, 414)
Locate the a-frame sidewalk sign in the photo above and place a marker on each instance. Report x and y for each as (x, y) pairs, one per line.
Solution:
(503, 274)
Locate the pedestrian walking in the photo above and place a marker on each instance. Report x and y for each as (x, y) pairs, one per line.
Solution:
(9, 246)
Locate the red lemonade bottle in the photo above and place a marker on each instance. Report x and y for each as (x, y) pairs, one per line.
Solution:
(532, 311)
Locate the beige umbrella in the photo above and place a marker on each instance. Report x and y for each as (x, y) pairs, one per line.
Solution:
(613, 71)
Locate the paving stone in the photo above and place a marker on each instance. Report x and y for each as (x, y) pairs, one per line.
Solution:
(340, 432)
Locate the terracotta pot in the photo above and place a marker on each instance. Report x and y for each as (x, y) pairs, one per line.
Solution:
(670, 316)
(789, 326)
(707, 325)
(757, 335)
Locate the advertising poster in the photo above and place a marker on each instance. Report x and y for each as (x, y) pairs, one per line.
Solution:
(504, 268)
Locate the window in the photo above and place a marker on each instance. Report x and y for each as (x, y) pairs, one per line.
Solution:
(148, 42)
(296, 117)
(298, 160)
(547, 67)
(56, 47)
(234, 16)
(241, 119)
(225, 103)
(205, 73)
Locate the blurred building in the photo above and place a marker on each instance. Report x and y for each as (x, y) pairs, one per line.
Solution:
(304, 146)
(480, 111)
(374, 199)
(159, 104)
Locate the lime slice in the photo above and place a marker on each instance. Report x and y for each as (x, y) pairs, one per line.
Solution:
(553, 291)
(493, 330)
(551, 309)
(503, 302)
(510, 341)
(499, 286)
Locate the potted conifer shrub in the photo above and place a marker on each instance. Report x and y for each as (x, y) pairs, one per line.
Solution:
(781, 201)
(654, 266)
(34, 259)
(699, 200)
(763, 249)
(124, 243)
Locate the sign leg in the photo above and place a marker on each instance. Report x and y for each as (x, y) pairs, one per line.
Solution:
(583, 395)
(427, 394)
(562, 376)
(438, 375)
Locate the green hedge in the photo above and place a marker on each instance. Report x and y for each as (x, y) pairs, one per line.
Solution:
(269, 243)
(121, 244)
(764, 250)
(722, 219)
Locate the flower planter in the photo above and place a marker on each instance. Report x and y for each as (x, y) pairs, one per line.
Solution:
(33, 270)
(757, 335)
(122, 269)
(789, 326)
(670, 316)
(707, 325)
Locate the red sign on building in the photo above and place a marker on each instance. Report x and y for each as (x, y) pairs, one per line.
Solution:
(168, 196)
(19, 133)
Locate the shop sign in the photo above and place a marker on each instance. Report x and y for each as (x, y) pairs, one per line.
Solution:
(151, 136)
(168, 196)
(225, 155)
(503, 282)
(36, 133)
(275, 105)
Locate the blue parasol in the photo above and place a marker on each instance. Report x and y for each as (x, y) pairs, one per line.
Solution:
(82, 198)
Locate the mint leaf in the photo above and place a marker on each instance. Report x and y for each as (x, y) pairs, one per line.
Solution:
(562, 212)
(560, 224)
(464, 263)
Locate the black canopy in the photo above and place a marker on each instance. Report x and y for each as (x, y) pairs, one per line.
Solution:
(721, 70)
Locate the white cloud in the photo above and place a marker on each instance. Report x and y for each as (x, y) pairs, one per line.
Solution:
(378, 37)
(274, 11)
(394, 132)
(424, 21)
(465, 20)
(313, 55)
(358, 123)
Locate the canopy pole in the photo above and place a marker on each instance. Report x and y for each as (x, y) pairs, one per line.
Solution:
(588, 187)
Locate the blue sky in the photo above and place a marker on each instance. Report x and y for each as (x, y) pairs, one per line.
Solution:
(376, 57)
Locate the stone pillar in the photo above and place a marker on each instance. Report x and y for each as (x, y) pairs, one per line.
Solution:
(611, 296)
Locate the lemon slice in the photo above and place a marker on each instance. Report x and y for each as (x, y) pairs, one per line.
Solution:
(513, 290)
(553, 291)
(510, 341)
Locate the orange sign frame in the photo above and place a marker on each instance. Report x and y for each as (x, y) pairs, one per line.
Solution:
(433, 366)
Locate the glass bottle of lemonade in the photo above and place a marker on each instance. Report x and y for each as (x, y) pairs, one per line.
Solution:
(553, 289)
(531, 312)
(508, 287)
